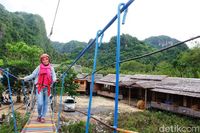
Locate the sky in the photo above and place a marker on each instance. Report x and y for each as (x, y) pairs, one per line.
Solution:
(81, 19)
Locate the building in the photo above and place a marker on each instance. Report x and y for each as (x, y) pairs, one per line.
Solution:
(131, 87)
(81, 80)
(106, 86)
(179, 95)
(84, 81)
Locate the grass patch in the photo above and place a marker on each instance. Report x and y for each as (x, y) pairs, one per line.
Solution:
(78, 127)
(158, 121)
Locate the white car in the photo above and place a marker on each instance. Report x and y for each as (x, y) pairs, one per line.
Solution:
(69, 104)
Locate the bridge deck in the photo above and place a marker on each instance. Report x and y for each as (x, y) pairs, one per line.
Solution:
(33, 126)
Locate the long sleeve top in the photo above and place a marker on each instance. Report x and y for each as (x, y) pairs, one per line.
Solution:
(35, 75)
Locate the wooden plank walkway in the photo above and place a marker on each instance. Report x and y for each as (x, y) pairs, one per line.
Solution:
(33, 126)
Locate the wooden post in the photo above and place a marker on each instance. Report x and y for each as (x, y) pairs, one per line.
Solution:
(153, 98)
(167, 97)
(191, 101)
(184, 101)
(129, 96)
(145, 98)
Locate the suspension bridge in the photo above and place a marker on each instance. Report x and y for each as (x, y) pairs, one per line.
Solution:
(53, 118)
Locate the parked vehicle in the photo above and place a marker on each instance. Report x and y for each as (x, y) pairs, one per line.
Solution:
(69, 104)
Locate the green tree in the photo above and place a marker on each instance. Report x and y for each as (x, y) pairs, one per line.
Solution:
(135, 66)
(69, 85)
(165, 68)
(1, 90)
(21, 59)
(190, 60)
(1, 62)
(25, 27)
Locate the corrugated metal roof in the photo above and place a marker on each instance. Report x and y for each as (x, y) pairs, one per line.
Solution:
(160, 83)
(177, 92)
(112, 78)
(96, 77)
(105, 83)
(148, 77)
(147, 84)
(179, 86)
(85, 76)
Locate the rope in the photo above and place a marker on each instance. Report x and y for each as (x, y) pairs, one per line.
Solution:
(105, 124)
(83, 52)
(51, 32)
(145, 55)
(7, 74)
(102, 31)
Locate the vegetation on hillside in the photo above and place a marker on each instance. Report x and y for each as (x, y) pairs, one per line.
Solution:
(23, 38)
(24, 27)
(18, 29)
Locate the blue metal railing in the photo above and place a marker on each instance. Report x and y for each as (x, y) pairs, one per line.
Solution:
(93, 78)
(117, 64)
(100, 33)
(60, 105)
(7, 74)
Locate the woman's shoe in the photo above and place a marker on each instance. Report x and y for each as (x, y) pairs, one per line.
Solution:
(38, 119)
(42, 120)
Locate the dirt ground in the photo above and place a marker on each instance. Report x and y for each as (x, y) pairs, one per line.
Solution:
(102, 108)
(5, 109)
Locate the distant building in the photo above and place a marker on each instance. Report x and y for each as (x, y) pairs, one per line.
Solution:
(84, 81)
(179, 95)
(106, 86)
(131, 87)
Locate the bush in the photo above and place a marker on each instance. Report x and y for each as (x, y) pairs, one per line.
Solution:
(152, 121)
(78, 128)
(9, 127)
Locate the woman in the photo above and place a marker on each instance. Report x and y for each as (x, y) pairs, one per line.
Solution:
(44, 76)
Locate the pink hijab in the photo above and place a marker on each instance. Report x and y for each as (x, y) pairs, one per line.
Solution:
(44, 79)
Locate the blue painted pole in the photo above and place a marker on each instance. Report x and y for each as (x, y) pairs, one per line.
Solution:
(92, 83)
(60, 106)
(117, 66)
(10, 92)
